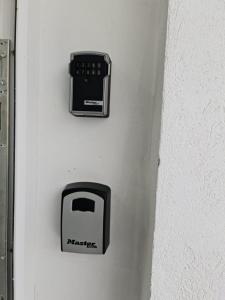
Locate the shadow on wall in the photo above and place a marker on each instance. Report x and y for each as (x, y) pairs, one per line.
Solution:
(146, 140)
(157, 45)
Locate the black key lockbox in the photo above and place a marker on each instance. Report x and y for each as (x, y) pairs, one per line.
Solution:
(90, 84)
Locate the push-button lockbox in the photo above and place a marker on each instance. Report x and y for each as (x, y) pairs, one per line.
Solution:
(90, 84)
(85, 218)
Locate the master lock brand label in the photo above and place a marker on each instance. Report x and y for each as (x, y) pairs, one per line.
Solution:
(93, 102)
(83, 243)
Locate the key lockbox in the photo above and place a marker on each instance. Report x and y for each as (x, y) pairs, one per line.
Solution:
(90, 84)
(85, 218)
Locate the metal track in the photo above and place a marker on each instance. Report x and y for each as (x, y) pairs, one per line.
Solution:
(4, 165)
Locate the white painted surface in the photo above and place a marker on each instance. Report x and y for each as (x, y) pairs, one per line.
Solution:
(54, 148)
(7, 19)
(189, 246)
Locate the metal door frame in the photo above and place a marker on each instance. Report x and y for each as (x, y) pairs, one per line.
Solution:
(7, 120)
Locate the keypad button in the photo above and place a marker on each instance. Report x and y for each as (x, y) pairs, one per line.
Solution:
(88, 72)
(78, 72)
(93, 72)
(99, 65)
(93, 65)
(98, 72)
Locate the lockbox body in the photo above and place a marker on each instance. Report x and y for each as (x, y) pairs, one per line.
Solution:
(90, 84)
(85, 218)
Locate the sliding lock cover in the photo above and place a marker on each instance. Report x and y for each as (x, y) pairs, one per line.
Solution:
(90, 84)
(85, 218)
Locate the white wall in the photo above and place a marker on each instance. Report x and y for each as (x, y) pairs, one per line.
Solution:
(7, 11)
(54, 148)
(189, 246)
